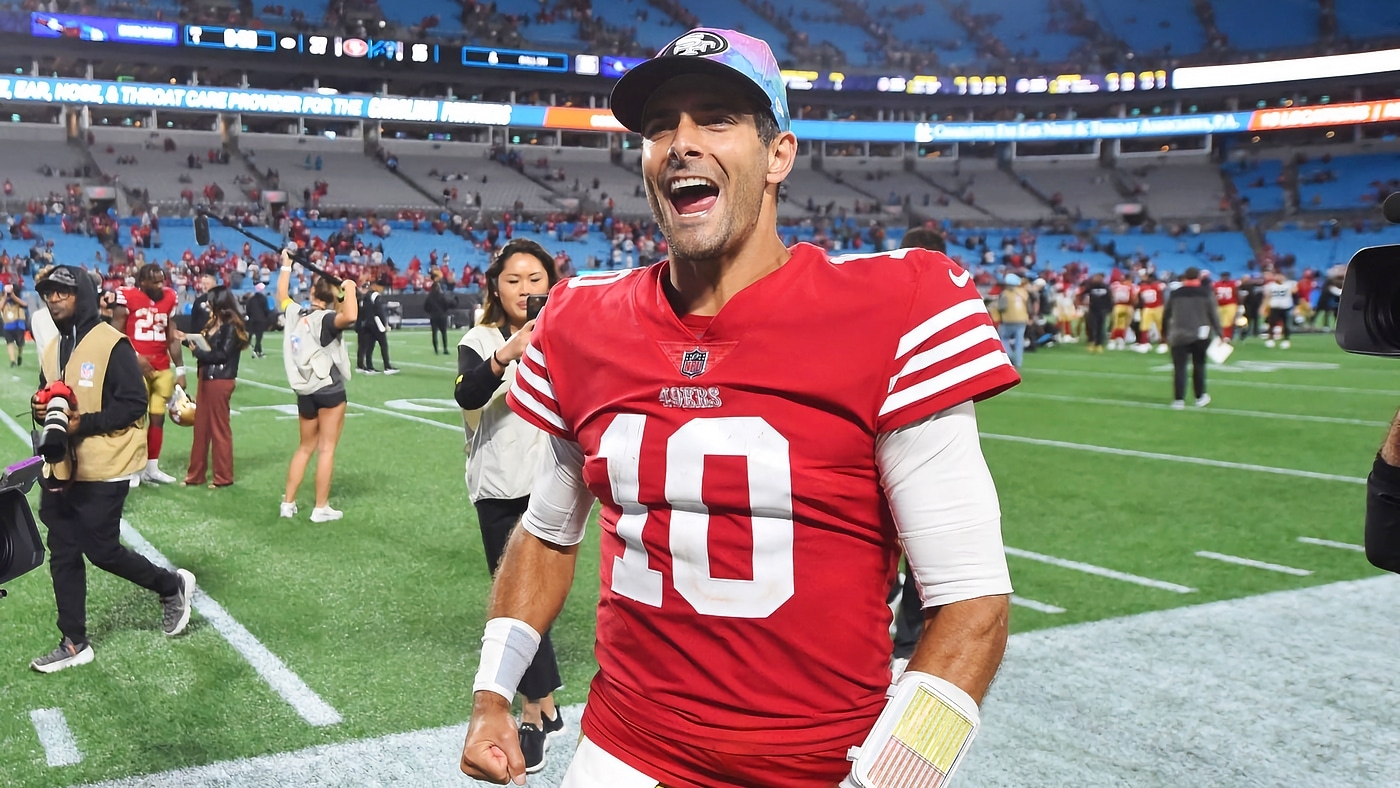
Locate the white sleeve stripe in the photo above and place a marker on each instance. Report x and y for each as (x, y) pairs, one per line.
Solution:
(944, 381)
(946, 350)
(536, 356)
(528, 400)
(536, 382)
(940, 321)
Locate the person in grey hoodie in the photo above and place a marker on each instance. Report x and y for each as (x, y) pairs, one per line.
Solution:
(1189, 323)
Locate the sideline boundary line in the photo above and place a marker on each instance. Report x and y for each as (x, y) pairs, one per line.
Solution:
(1112, 574)
(60, 748)
(1084, 373)
(1152, 455)
(281, 679)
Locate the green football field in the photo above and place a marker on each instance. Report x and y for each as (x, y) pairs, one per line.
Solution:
(1112, 505)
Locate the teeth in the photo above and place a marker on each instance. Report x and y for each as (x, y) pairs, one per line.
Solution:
(682, 183)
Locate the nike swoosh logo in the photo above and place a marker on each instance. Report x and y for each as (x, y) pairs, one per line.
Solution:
(960, 281)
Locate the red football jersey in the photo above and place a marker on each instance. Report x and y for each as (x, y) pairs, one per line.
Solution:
(1152, 295)
(1227, 292)
(747, 546)
(1122, 292)
(147, 321)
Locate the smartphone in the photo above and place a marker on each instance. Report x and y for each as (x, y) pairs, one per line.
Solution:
(533, 305)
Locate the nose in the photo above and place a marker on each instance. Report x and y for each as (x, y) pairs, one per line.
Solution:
(685, 141)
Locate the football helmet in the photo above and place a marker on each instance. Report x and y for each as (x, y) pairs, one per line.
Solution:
(181, 408)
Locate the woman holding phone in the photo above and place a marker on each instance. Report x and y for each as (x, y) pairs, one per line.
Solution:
(217, 349)
(503, 449)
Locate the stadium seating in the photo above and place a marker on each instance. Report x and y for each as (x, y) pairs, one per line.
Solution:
(501, 187)
(24, 149)
(1323, 253)
(1025, 28)
(1361, 19)
(1257, 182)
(1182, 189)
(1151, 28)
(733, 14)
(1286, 23)
(354, 179)
(1086, 188)
(1352, 185)
(159, 171)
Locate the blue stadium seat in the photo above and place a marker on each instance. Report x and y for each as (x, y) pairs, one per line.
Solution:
(1367, 18)
(1265, 197)
(1285, 23)
(1152, 27)
(1353, 185)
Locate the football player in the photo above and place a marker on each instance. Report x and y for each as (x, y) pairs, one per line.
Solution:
(1281, 294)
(1151, 300)
(759, 467)
(1227, 300)
(1124, 294)
(144, 313)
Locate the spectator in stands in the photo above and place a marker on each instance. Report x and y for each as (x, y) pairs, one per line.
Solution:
(312, 338)
(1189, 322)
(225, 338)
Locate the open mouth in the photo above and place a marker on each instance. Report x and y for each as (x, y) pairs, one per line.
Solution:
(693, 196)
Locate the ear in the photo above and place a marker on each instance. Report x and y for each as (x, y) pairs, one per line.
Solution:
(782, 155)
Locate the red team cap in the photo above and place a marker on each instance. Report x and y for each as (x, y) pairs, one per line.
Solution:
(713, 52)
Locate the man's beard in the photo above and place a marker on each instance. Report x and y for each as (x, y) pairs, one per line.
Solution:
(742, 204)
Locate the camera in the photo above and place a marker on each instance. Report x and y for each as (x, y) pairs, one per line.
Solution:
(57, 399)
(20, 547)
(1368, 313)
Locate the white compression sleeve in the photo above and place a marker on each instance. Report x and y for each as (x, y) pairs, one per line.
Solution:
(560, 502)
(945, 506)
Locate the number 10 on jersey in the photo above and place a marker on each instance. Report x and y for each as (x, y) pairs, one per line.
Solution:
(770, 511)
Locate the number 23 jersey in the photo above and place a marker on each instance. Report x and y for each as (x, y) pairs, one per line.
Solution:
(747, 547)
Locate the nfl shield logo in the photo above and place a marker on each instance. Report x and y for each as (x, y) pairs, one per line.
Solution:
(693, 362)
(87, 370)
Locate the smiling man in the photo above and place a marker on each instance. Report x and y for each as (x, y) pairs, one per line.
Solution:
(765, 427)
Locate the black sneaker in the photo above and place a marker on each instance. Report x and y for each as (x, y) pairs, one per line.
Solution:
(555, 727)
(175, 610)
(532, 744)
(67, 655)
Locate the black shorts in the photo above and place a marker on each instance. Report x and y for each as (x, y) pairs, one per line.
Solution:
(14, 336)
(308, 405)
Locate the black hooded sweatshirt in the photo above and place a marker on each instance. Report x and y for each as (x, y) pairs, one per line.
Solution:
(123, 388)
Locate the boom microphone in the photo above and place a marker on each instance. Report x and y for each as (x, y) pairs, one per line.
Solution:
(201, 237)
(1391, 208)
(201, 229)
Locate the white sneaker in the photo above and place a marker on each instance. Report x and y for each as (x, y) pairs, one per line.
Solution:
(1285, 344)
(1178, 404)
(289, 510)
(1268, 343)
(156, 476)
(1203, 400)
(391, 370)
(324, 514)
(1141, 348)
(1162, 348)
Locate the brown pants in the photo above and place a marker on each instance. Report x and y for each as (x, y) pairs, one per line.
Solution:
(211, 425)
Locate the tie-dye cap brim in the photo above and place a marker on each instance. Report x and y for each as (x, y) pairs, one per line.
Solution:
(720, 53)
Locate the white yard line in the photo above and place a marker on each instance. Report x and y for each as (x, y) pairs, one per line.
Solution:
(1329, 543)
(1150, 455)
(1112, 574)
(1214, 382)
(1250, 562)
(304, 700)
(307, 704)
(1031, 604)
(1256, 414)
(60, 748)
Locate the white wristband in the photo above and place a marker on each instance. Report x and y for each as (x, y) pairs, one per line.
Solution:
(508, 647)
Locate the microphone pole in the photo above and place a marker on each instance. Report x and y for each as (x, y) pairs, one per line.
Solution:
(201, 237)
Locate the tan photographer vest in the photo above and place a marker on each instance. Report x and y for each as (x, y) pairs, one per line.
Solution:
(100, 457)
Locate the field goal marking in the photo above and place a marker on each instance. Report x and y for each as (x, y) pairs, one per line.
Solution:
(287, 684)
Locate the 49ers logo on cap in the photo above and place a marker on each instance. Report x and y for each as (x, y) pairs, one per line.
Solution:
(698, 43)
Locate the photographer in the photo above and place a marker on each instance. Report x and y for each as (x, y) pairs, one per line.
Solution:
(504, 449)
(85, 487)
(1383, 504)
(437, 306)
